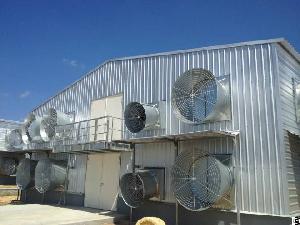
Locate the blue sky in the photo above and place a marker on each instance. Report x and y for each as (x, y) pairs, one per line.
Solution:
(46, 45)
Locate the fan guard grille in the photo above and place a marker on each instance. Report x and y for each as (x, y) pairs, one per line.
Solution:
(199, 180)
(132, 189)
(25, 173)
(14, 138)
(10, 166)
(49, 174)
(194, 95)
(43, 176)
(135, 117)
(138, 187)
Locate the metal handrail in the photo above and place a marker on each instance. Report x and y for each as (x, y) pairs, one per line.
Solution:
(88, 130)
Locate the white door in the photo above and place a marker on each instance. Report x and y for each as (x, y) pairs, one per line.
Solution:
(102, 181)
(109, 106)
(98, 110)
(92, 181)
(115, 110)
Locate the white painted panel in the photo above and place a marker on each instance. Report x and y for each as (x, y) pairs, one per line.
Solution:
(102, 181)
(109, 186)
(114, 108)
(98, 110)
(92, 181)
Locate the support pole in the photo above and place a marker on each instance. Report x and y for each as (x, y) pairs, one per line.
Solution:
(130, 216)
(237, 180)
(176, 206)
(132, 146)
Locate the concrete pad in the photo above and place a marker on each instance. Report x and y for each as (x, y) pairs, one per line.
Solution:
(36, 214)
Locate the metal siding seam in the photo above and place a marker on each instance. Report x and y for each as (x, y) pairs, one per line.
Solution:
(267, 130)
(253, 132)
(246, 129)
(281, 134)
(238, 128)
(275, 128)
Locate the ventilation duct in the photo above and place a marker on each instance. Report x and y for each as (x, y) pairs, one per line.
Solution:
(138, 187)
(52, 119)
(25, 174)
(50, 174)
(200, 181)
(31, 129)
(197, 96)
(141, 116)
(8, 166)
(13, 140)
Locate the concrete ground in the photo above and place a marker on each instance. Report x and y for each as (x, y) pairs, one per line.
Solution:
(36, 214)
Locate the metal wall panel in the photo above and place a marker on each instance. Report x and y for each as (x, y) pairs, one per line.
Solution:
(252, 71)
(158, 155)
(77, 173)
(289, 72)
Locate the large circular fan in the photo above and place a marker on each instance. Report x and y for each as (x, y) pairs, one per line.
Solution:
(10, 166)
(198, 180)
(135, 117)
(194, 95)
(49, 174)
(137, 187)
(14, 139)
(25, 174)
(31, 129)
(50, 121)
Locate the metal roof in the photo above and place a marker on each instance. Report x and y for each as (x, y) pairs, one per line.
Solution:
(281, 41)
(9, 123)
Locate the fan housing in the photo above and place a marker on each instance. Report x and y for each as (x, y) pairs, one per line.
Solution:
(25, 174)
(49, 174)
(138, 187)
(198, 96)
(50, 121)
(14, 139)
(199, 181)
(141, 116)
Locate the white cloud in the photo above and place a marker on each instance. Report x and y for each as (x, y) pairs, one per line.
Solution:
(73, 63)
(25, 94)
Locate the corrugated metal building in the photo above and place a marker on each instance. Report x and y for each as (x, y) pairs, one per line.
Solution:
(5, 127)
(262, 92)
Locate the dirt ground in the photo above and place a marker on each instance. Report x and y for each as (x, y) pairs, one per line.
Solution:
(8, 186)
(5, 200)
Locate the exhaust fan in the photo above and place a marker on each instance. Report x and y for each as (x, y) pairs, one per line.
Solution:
(197, 96)
(138, 187)
(52, 119)
(13, 140)
(25, 174)
(31, 129)
(8, 166)
(50, 174)
(199, 181)
(142, 116)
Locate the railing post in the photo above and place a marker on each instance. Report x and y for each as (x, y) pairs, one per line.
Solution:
(112, 128)
(107, 129)
(96, 130)
(78, 131)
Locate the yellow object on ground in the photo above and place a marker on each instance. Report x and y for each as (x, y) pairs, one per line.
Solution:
(150, 221)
